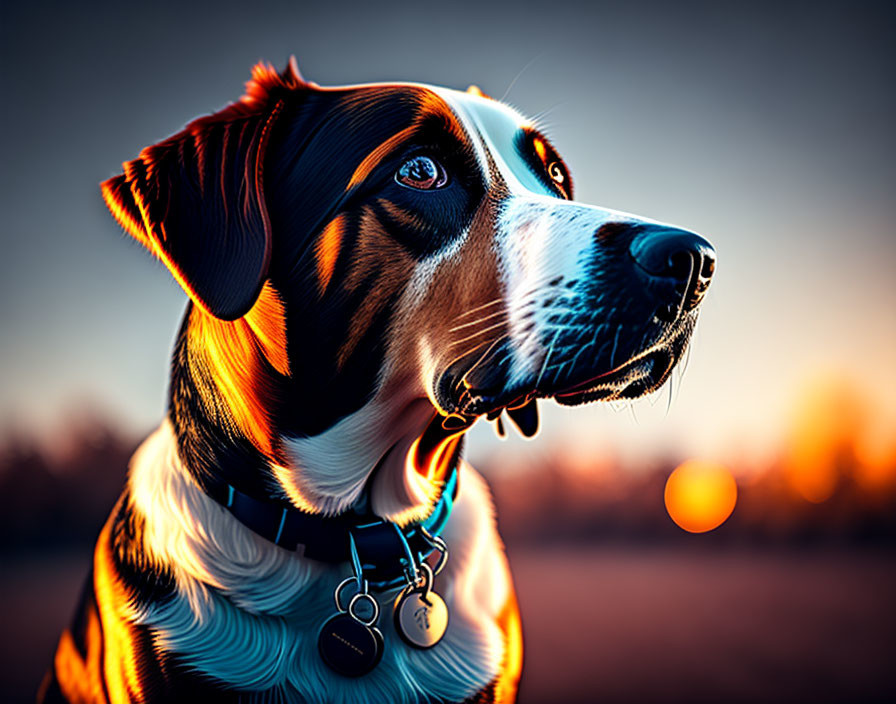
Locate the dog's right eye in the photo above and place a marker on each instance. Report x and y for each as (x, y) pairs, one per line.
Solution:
(422, 173)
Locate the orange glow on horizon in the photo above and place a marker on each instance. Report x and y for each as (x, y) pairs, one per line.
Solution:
(875, 455)
(700, 495)
(830, 419)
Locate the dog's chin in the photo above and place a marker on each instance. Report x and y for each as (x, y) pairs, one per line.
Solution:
(637, 377)
(642, 373)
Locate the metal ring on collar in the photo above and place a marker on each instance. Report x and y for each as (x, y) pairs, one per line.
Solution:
(424, 583)
(436, 543)
(376, 609)
(342, 585)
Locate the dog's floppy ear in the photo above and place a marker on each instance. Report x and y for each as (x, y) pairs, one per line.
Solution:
(196, 200)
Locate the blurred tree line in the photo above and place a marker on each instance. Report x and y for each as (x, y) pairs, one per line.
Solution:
(60, 496)
(559, 503)
(57, 495)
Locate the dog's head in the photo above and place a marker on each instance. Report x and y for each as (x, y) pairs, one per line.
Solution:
(364, 259)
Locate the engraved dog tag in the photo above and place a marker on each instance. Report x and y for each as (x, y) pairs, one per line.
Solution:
(349, 643)
(421, 616)
(350, 647)
(421, 619)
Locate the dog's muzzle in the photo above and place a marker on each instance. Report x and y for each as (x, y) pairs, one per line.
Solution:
(612, 325)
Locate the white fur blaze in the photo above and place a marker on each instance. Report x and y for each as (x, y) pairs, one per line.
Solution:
(545, 245)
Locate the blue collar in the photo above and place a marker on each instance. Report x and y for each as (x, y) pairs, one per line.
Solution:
(384, 550)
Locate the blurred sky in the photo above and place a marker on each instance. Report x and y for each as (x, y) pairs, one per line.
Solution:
(768, 128)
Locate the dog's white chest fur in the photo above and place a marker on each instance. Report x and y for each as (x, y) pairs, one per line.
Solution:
(247, 613)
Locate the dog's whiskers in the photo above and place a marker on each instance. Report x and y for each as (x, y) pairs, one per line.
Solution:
(526, 297)
(669, 397)
(492, 302)
(615, 345)
(584, 347)
(539, 117)
(682, 368)
(470, 351)
(547, 358)
(476, 334)
(478, 320)
(519, 75)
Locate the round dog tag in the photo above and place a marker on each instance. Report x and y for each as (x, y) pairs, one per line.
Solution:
(350, 647)
(421, 621)
(421, 616)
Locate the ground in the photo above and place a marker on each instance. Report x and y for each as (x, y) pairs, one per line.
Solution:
(617, 624)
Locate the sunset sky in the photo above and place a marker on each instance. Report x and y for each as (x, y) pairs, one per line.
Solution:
(769, 129)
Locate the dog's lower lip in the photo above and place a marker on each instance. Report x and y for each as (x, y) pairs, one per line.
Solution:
(588, 383)
(652, 356)
(656, 359)
(499, 405)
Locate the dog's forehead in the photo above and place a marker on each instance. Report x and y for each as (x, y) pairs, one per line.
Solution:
(495, 128)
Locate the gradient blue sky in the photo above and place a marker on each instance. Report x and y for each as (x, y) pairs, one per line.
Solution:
(768, 128)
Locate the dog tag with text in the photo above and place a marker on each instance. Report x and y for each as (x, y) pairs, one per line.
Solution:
(349, 643)
(350, 647)
(421, 616)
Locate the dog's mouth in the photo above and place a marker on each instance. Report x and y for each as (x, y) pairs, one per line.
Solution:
(643, 372)
(636, 377)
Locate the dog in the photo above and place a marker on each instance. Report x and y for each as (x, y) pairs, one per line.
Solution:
(370, 269)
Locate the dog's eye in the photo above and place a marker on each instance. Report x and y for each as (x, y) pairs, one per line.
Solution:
(557, 174)
(422, 173)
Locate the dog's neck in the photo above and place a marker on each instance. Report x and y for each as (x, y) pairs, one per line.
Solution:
(234, 587)
(326, 472)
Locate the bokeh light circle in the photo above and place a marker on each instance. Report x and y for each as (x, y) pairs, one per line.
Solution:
(700, 495)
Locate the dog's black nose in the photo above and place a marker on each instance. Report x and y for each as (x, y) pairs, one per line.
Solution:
(684, 257)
